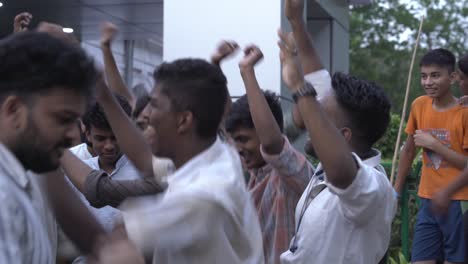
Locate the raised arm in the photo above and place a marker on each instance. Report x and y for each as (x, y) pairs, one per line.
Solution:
(21, 22)
(310, 61)
(113, 76)
(339, 164)
(130, 138)
(224, 50)
(265, 124)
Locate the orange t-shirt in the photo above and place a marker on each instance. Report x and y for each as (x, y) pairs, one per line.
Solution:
(451, 128)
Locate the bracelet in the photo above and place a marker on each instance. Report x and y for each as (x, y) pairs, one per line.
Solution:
(307, 90)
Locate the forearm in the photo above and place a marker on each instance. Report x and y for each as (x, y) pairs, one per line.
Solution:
(460, 182)
(101, 190)
(73, 216)
(131, 140)
(113, 76)
(454, 158)
(310, 60)
(407, 156)
(265, 123)
(330, 146)
(75, 169)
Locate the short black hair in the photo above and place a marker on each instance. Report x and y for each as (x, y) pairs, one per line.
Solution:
(463, 64)
(240, 116)
(140, 105)
(197, 86)
(96, 117)
(440, 57)
(34, 63)
(365, 104)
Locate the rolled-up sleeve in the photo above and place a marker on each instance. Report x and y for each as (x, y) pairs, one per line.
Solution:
(100, 190)
(292, 166)
(321, 81)
(368, 192)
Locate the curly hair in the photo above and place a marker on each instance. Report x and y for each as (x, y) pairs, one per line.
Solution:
(366, 105)
(463, 64)
(197, 86)
(240, 116)
(96, 117)
(440, 57)
(34, 63)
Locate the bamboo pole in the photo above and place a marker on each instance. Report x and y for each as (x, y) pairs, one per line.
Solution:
(405, 104)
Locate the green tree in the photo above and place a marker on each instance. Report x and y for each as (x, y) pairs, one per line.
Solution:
(382, 37)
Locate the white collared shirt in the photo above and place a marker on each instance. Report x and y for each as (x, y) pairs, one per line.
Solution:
(26, 234)
(205, 216)
(349, 225)
(81, 151)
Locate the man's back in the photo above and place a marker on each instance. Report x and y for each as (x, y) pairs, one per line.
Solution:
(205, 216)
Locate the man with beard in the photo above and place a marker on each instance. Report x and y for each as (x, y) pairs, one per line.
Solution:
(43, 91)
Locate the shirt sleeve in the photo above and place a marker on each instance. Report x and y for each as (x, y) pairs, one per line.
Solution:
(412, 124)
(101, 190)
(292, 166)
(321, 81)
(174, 223)
(12, 228)
(368, 193)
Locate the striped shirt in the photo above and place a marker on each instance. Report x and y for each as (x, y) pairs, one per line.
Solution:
(24, 215)
(276, 189)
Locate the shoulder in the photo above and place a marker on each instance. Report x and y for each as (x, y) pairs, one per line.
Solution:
(421, 101)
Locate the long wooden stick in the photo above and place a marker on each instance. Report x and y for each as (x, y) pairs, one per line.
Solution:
(405, 104)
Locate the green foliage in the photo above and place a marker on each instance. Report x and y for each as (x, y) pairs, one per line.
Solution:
(382, 37)
(387, 143)
(401, 259)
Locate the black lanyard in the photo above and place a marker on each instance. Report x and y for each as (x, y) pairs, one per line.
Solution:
(312, 192)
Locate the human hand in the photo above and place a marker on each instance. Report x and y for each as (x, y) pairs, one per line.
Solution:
(425, 140)
(463, 101)
(291, 69)
(440, 203)
(252, 55)
(108, 32)
(21, 22)
(224, 50)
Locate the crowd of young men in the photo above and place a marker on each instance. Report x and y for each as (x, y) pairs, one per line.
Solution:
(180, 153)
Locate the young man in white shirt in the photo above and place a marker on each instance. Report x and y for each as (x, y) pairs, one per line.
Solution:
(206, 215)
(345, 214)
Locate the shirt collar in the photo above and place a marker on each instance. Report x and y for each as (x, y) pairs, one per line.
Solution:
(13, 168)
(199, 160)
(373, 162)
(121, 162)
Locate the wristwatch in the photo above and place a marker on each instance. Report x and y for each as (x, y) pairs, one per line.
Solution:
(307, 90)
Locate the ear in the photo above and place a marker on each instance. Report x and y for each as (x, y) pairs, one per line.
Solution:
(347, 133)
(87, 133)
(14, 112)
(185, 122)
(454, 77)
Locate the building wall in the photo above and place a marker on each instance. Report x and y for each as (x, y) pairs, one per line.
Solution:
(146, 58)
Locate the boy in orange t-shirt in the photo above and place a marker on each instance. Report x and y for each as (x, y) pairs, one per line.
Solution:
(439, 125)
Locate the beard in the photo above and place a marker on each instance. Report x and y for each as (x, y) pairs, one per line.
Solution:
(33, 154)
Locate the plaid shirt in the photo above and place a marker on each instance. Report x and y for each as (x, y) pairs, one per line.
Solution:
(276, 189)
